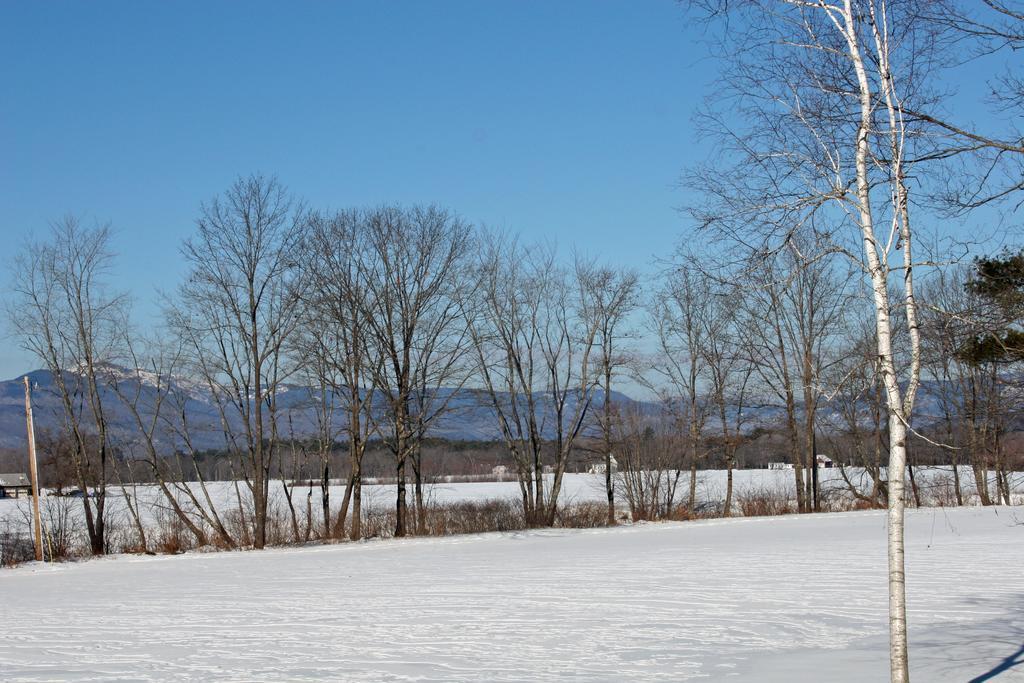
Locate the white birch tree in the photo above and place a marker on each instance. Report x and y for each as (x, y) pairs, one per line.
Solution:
(816, 133)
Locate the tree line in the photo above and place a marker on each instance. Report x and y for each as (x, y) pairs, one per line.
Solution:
(385, 319)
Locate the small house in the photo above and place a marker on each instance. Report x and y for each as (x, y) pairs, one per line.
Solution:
(598, 468)
(14, 486)
(825, 461)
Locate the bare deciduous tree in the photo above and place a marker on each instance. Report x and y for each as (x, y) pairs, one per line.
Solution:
(66, 317)
(412, 268)
(676, 316)
(793, 316)
(534, 362)
(821, 91)
(728, 375)
(650, 451)
(236, 313)
(607, 298)
(334, 341)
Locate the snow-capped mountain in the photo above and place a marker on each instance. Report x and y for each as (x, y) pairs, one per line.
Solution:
(469, 416)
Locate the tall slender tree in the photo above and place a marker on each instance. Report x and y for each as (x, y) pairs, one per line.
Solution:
(818, 132)
(236, 311)
(607, 298)
(414, 260)
(65, 315)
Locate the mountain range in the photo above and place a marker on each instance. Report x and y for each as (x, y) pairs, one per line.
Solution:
(470, 417)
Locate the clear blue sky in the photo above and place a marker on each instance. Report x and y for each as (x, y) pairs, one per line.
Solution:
(567, 120)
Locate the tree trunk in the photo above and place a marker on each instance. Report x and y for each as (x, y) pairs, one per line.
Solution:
(339, 524)
(133, 509)
(794, 447)
(325, 496)
(421, 510)
(812, 451)
(898, 657)
(309, 513)
(259, 514)
(693, 488)
(608, 482)
(609, 489)
(981, 482)
(913, 486)
(728, 486)
(400, 503)
(291, 509)
(896, 404)
(538, 496)
(243, 523)
(356, 528)
(956, 481)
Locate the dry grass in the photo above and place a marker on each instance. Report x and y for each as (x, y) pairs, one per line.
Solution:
(473, 518)
(764, 502)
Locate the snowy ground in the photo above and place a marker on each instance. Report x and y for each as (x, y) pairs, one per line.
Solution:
(936, 483)
(763, 599)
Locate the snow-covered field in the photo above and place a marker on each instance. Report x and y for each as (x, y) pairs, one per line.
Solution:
(760, 599)
(934, 482)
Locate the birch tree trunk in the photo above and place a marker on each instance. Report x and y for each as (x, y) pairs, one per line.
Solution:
(821, 145)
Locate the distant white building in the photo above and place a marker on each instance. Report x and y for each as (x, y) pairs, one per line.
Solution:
(823, 461)
(499, 470)
(598, 467)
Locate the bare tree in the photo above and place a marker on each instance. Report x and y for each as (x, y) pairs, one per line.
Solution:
(822, 90)
(971, 354)
(533, 354)
(650, 461)
(770, 347)
(858, 420)
(144, 390)
(676, 316)
(793, 316)
(334, 342)
(728, 375)
(984, 167)
(236, 312)
(64, 315)
(414, 261)
(607, 298)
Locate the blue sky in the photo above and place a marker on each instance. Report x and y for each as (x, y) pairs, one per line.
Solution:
(568, 120)
(562, 120)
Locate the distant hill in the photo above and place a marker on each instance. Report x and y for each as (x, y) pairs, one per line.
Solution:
(470, 417)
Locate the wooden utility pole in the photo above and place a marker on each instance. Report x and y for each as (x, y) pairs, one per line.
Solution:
(33, 472)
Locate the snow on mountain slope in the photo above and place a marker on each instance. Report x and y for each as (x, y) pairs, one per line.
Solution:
(470, 416)
(799, 598)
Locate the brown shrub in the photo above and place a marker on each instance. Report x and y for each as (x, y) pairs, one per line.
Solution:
(941, 491)
(582, 515)
(378, 522)
(172, 536)
(764, 502)
(474, 517)
(16, 545)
